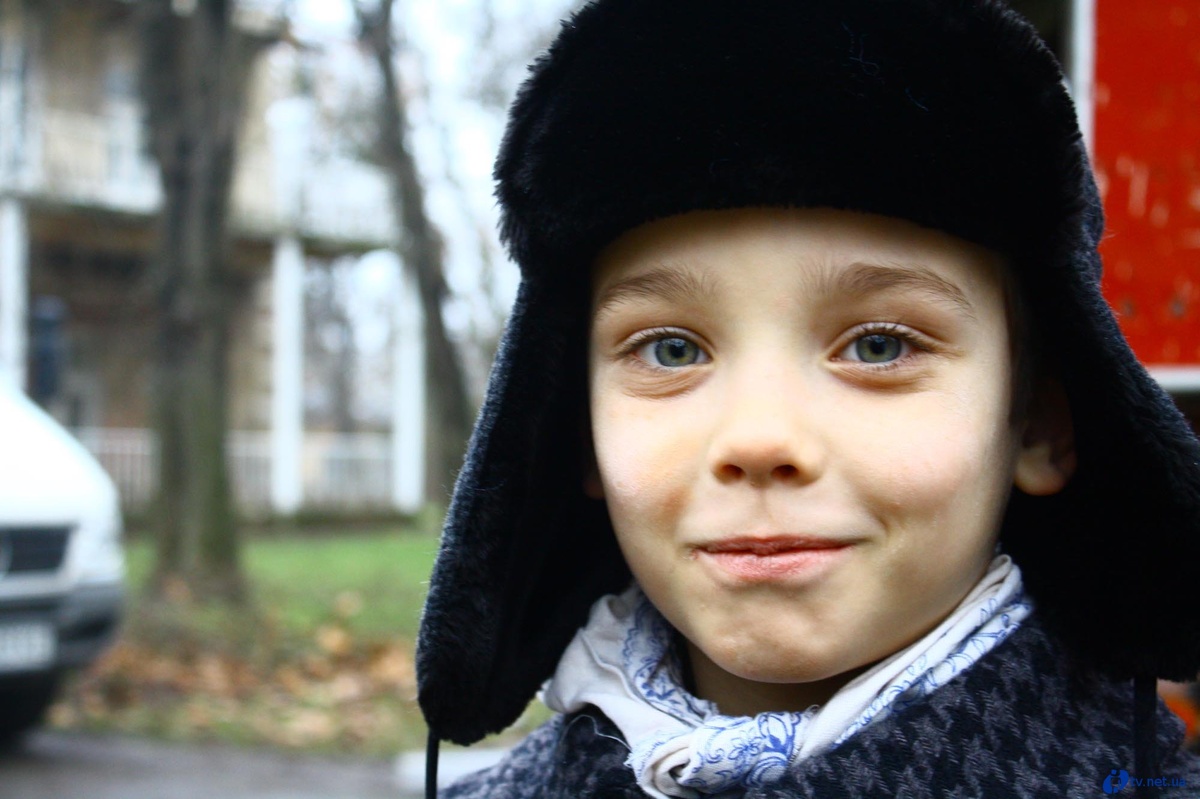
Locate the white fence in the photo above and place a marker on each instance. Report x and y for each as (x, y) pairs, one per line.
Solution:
(340, 471)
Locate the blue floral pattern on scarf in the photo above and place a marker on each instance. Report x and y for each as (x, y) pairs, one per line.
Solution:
(727, 751)
(920, 679)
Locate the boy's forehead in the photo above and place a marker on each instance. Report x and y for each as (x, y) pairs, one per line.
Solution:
(694, 258)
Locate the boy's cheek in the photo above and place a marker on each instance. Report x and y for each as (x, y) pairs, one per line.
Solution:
(938, 488)
(933, 466)
(639, 489)
(640, 450)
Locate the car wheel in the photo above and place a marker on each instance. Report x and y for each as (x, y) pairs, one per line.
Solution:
(24, 701)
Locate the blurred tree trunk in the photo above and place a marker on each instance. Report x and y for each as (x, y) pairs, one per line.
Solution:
(194, 75)
(422, 251)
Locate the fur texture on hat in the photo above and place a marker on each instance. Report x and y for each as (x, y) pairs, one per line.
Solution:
(948, 113)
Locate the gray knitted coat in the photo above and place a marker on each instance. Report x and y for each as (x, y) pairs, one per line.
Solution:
(1019, 723)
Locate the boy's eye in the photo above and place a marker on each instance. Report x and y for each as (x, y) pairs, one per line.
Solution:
(875, 348)
(671, 352)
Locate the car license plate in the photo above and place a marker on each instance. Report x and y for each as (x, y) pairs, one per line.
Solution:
(26, 645)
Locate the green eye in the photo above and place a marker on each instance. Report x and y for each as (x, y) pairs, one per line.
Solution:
(878, 348)
(674, 352)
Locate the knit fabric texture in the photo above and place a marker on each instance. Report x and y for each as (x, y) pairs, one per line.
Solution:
(1020, 723)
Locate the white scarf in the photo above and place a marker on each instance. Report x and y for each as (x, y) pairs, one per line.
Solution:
(623, 662)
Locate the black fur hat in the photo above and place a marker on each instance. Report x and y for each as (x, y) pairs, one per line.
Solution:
(949, 113)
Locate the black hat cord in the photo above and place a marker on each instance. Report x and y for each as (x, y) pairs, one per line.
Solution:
(1145, 734)
(431, 766)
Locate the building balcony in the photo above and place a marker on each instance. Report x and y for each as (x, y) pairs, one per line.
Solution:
(89, 161)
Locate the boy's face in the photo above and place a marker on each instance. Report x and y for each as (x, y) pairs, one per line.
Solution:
(802, 430)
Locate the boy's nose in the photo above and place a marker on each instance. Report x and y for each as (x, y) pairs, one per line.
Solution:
(764, 438)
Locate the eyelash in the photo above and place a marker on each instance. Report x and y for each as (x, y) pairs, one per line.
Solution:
(906, 335)
(644, 337)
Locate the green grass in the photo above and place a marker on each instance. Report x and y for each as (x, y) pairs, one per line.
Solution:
(301, 582)
(389, 574)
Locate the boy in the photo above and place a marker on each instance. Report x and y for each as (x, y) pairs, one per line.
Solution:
(813, 462)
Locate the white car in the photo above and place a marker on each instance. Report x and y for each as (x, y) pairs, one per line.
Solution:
(61, 563)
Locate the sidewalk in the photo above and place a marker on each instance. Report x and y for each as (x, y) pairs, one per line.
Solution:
(74, 765)
(452, 764)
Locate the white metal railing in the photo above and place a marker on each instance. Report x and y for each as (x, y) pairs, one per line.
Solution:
(340, 471)
(345, 199)
(344, 470)
(129, 455)
(93, 159)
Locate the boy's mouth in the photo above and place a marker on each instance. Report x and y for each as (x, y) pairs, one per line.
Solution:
(774, 545)
(773, 559)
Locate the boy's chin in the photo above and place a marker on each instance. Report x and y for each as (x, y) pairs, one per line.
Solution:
(765, 682)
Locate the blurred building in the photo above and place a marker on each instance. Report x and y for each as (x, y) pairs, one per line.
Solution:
(79, 192)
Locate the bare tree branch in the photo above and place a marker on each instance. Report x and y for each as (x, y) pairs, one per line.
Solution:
(421, 248)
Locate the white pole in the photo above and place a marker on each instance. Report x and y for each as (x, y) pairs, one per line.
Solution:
(408, 398)
(14, 290)
(290, 125)
(1081, 67)
(287, 383)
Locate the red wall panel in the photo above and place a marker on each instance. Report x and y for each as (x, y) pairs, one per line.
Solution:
(1147, 156)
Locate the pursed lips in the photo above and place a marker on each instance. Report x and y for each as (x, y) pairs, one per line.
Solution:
(785, 559)
(765, 546)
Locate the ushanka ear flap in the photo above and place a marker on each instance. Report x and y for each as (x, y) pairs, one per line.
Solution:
(1105, 559)
(948, 113)
(524, 553)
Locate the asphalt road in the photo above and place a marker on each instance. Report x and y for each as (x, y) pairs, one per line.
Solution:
(56, 765)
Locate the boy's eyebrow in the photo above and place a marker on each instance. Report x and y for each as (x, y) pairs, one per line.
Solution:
(870, 278)
(677, 285)
(666, 282)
